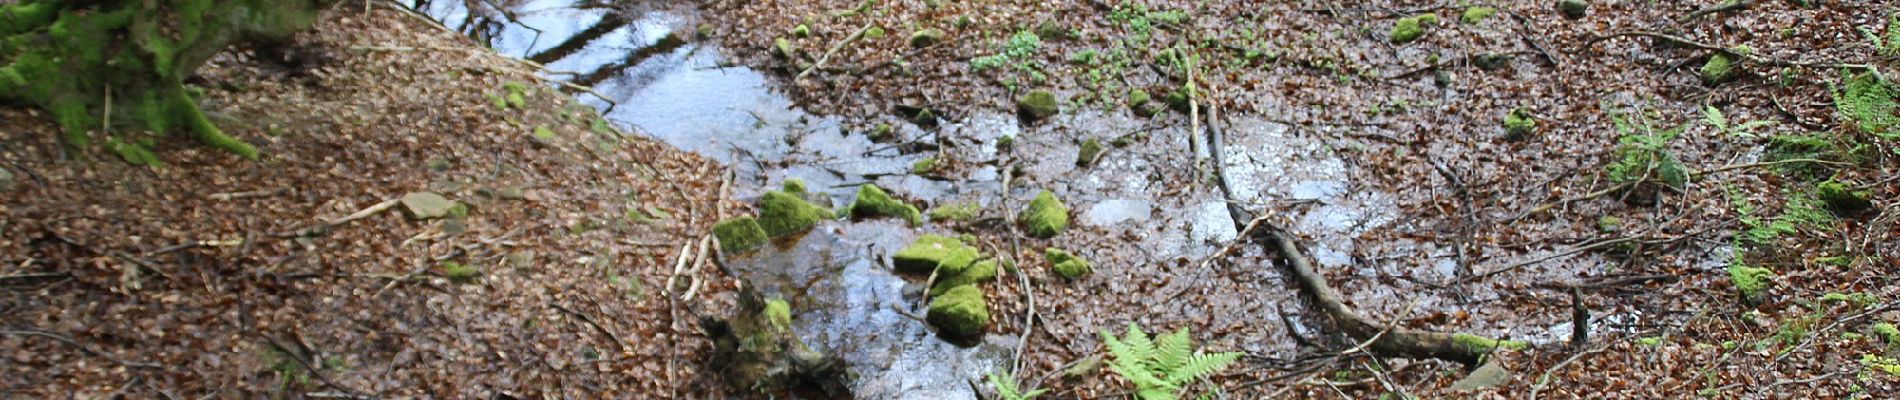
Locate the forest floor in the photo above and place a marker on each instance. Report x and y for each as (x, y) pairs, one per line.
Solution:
(205, 278)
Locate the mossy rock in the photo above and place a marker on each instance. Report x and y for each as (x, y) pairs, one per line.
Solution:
(1750, 282)
(1720, 68)
(923, 166)
(1519, 125)
(959, 312)
(981, 271)
(1138, 98)
(1406, 30)
(1843, 200)
(1091, 149)
(739, 234)
(801, 31)
(458, 273)
(1038, 104)
(1065, 264)
(783, 48)
(785, 213)
(960, 212)
(1573, 9)
(926, 37)
(873, 202)
(875, 33)
(1046, 216)
(935, 253)
(1887, 333)
(778, 315)
(794, 186)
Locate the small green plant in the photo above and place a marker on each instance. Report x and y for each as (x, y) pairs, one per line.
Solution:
(1713, 116)
(1161, 368)
(1019, 46)
(1642, 153)
(1005, 385)
(1869, 104)
(1889, 46)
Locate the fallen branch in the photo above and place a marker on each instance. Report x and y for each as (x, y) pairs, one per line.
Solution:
(313, 230)
(1750, 56)
(834, 50)
(1732, 5)
(1385, 339)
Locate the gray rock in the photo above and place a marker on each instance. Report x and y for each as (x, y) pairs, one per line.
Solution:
(1491, 374)
(428, 205)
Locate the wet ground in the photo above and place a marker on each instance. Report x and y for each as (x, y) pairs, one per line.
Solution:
(1398, 230)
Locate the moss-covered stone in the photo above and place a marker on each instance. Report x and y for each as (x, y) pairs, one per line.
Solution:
(801, 31)
(926, 37)
(1749, 282)
(1045, 217)
(960, 212)
(977, 273)
(1138, 98)
(794, 186)
(739, 234)
(1519, 124)
(1718, 69)
(1474, 15)
(923, 166)
(1887, 332)
(1484, 344)
(778, 315)
(1610, 224)
(1091, 149)
(931, 251)
(1065, 264)
(1038, 104)
(959, 312)
(1842, 199)
(873, 202)
(785, 213)
(1491, 61)
(1406, 30)
(782, 47)
(1573, 9)
(875, 33)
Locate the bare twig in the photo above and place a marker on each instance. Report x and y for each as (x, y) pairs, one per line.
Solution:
(834, 50)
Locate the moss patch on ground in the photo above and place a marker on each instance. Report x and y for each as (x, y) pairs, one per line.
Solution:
(1485, 344)
(1749, 282)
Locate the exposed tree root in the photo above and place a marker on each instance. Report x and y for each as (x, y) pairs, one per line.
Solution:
(1390, 340)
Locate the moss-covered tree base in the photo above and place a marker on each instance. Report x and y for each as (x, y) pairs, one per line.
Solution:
(79, 59)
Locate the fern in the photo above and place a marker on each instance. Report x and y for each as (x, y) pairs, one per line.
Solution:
(1161, 368)
(1642, 153)
(1868, 103)
(1713, 116)
(1890, 46)
(1006, 389)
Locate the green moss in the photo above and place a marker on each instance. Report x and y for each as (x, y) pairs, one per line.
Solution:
(961, 212)
(926, 37)
(873, 202)
(783, 48)
(739, 234)
(1038, 104)
(1406, 30)
(1067, 265)
(881, 132)
(778, 313)
(1651, 341)
(923, 166)
(801, 31)
(1091, 149)
(959, 312)
(1005, 142)
(459, 273)
(1484, 344)
(542, 133)
(516, 93)
(1881, 364)
(1749, 281)
(977, 273)
(1609, 224)
(1046, 217)
(931, 251)
(1834, 298)
(875, 33)
(1842, 199)
(784, 213)
(1718, 69)
(1887, 333)
(1474, 15)
(1138, 98)
(794, 186)
(1518, 124)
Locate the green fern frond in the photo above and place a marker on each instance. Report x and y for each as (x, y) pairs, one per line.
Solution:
(1173, 349)
(1005, 385)
(1201, 365)
(1868, 103)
